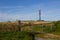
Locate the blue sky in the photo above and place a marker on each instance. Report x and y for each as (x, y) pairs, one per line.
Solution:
(11, 10)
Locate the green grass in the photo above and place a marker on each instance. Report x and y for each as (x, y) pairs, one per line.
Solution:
(14, 36)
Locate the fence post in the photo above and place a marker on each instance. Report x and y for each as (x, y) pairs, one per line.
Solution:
(19, 25)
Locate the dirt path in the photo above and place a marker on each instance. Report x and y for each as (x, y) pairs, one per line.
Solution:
(49, 35)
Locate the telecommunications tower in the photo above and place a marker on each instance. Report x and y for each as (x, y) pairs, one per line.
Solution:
(40, 15)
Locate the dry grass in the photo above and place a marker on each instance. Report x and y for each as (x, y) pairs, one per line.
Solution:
(14, 26)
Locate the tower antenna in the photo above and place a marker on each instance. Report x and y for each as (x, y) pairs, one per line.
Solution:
(40, 15)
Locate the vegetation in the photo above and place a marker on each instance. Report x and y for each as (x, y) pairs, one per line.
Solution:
(18, 30)
(14, 36)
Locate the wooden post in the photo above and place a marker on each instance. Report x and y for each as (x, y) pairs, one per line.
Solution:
(19, 25)
(32, 35)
